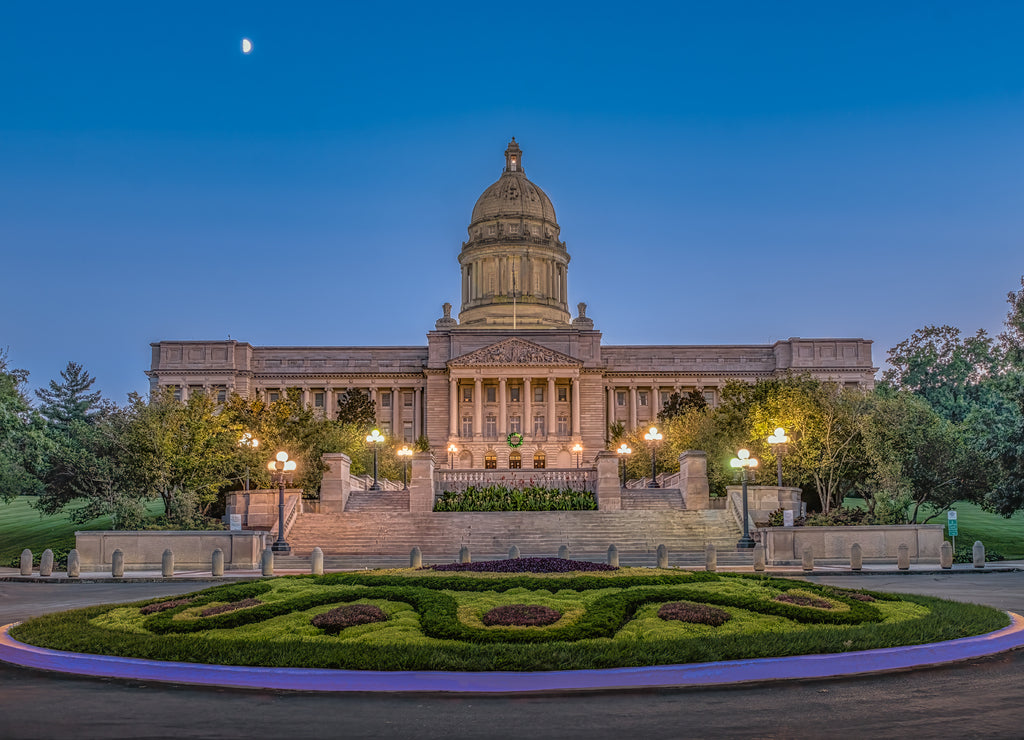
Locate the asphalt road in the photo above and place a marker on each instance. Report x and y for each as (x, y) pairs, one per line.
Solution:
(981, 698)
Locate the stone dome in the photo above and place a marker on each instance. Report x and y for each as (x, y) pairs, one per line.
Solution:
(513, 196)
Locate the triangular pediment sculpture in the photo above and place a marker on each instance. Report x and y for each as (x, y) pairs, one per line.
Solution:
(514, 351)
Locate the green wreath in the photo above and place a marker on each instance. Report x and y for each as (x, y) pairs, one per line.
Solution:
(514, 439)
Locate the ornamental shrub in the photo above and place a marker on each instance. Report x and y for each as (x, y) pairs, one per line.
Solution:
(334, 621)
(685, 611)
(525, 565)
(521, 615)
(527, 498)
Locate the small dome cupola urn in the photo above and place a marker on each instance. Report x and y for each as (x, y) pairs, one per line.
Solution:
(514, 157)
(514, 267)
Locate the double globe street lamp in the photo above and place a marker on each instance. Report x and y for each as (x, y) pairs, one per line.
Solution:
(653, 437)
(375, 438)
(779, 442)
(281, 471)
(746, 464)
(624, 450)
(251, 443)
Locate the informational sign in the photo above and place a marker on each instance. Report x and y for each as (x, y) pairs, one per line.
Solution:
(236, 522)
(787, 518)
(951, 523)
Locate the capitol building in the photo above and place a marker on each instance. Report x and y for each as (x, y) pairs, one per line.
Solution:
(515, 360)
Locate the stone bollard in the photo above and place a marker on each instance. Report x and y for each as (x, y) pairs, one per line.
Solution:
(316, 562)
(808, 559)
(415, 558)
(74, 564)
(946, 556)
(217, 563)
(978, 553)
(613, 556)
(903, 557)
(710, 557)
(267, 562)
(856, 556)
(117, 563)
(662, 556)
(759, 558)
(563, 552)
(167, 564)
(513, 553)
(464, 556)
(26, 562)
(46, 563)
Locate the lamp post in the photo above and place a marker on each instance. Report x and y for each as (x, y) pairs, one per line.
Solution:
(577, 448)
(623, 451)
(452, 449)
(405, 453)
(375, 438)
(746, 464)
(779, 442)
(251, 443)
(653, 437)
(281, 470)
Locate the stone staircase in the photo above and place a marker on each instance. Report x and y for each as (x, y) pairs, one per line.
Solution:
(364, 501)
(357, 539)
(652, 499)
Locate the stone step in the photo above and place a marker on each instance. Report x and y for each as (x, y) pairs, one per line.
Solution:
(362, 501)
(686, 559)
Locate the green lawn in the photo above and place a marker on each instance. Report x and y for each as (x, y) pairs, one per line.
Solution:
(22, 526)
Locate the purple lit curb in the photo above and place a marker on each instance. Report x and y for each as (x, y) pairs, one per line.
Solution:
(696, 674)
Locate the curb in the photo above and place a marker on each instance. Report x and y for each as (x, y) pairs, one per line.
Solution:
(651, 677)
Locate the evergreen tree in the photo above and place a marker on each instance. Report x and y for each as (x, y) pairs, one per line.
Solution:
(70, 400)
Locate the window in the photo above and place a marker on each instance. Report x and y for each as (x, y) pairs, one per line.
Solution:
(467, 426)
(177, 392)
(538, 394)
(222, 395)
(467, 393)
(407, 400)
(665, 395)
(563, 426)
(538, 426)
(620, 398)
(515, 424)
(492, 393)
(642, 397)
(319, 399)
(538, 459)
(709, 397)
(491, 427)
(563, 393)
(407, 431)
(196, 390)
(273, 396)
(515, 460)
(385, 399)
(490, 460)
(385, 428)
(514, 393)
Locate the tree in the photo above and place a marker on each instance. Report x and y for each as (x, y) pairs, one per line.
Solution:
(679, 404)
(22, 438)
(70, 400)
(356, 407)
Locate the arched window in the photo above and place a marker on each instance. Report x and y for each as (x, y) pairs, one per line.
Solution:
(539, 459)
(490, 460)
(515, 461)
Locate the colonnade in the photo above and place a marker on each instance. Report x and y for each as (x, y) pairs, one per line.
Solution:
(526, 406)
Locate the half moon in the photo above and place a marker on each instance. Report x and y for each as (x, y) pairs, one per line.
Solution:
(246, 46)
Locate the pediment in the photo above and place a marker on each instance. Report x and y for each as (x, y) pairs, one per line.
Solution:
(514, 351)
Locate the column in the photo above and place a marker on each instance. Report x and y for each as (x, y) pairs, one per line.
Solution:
(478, 407)
(611, 405)
(453, 407)
(417, 413)
(574, 404)
(502, 409)
(527, 407)
(550, 424)
(655, 402)
(305, 396)
(396, 415)
(632, 407)
(330, 405)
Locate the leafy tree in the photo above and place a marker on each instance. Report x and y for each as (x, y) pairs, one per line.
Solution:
(678, 403)
(22, 440)
(69, 400)
(356, 407)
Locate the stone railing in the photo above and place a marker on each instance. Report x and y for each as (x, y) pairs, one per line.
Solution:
(363, 483)
(292, 509)
(584, 479)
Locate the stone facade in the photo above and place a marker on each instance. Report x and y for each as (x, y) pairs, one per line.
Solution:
(514, 360)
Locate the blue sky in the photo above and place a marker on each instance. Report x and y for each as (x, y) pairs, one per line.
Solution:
(732, 172)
